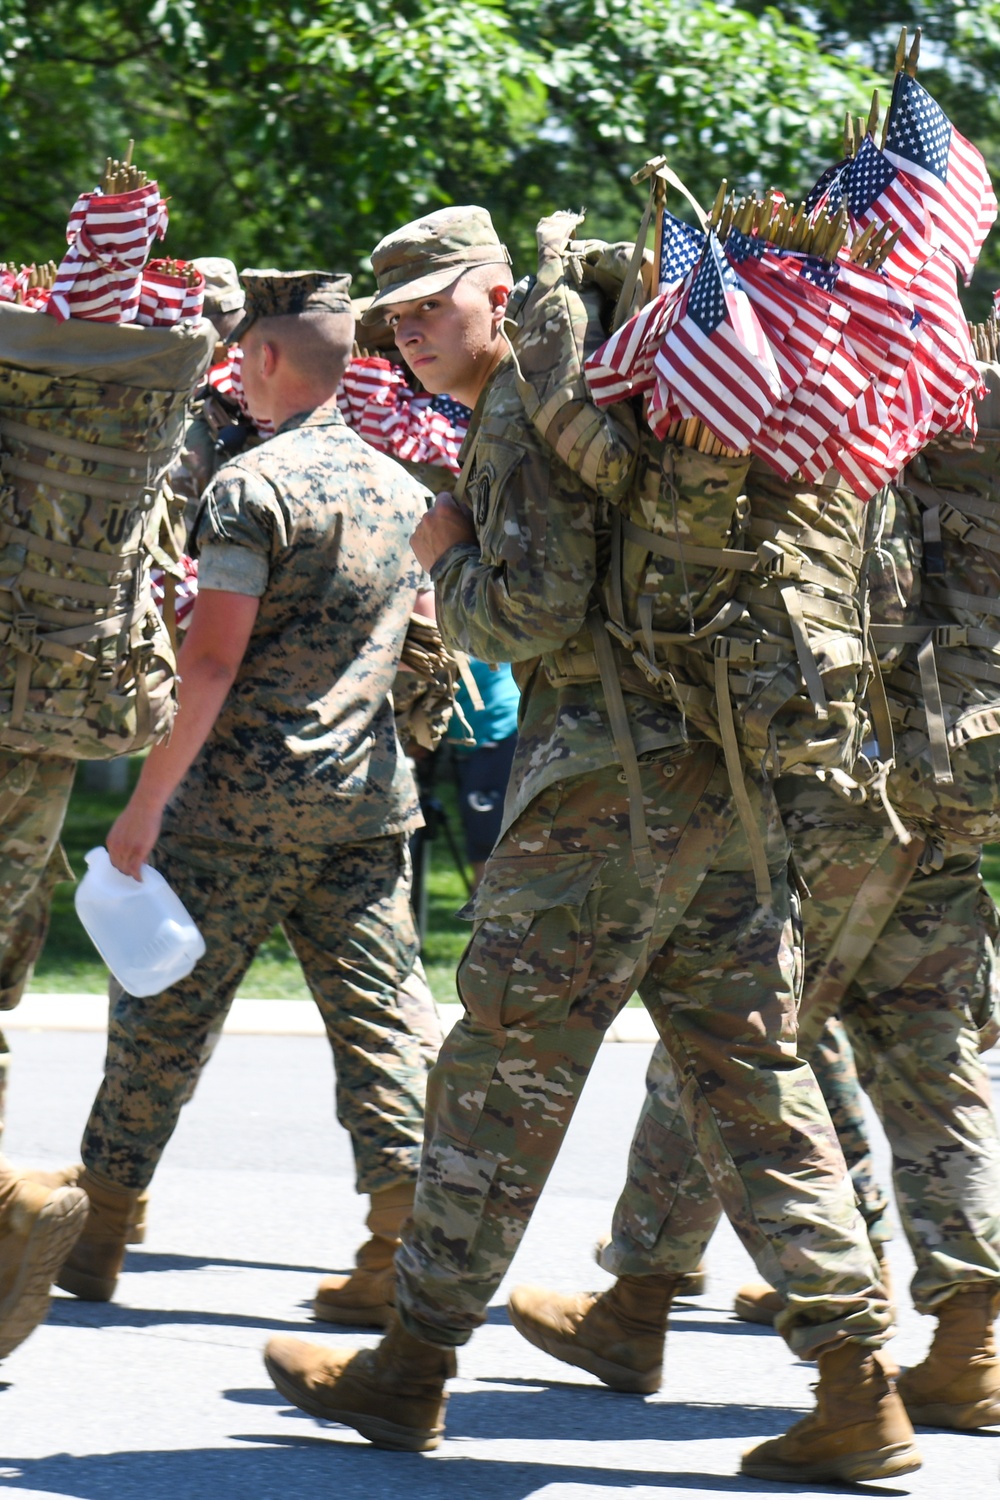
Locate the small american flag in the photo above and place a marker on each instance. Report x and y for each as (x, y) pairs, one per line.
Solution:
(946, 169)
(715, 359)
(379, 404)
(680, 250)
(623, 366)
(828, 188)
(876, 194)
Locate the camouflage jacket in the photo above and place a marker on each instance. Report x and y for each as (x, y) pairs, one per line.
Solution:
(522, 592)
(317, 524)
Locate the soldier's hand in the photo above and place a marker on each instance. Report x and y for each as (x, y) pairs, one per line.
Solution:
(133, 835)
(445, 525)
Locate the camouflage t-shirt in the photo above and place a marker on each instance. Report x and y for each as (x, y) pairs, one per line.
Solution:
(523, 590)
(317, 525)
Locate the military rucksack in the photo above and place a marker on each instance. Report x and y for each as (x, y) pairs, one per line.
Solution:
(91, 419)
(734, 594)
(944, 691)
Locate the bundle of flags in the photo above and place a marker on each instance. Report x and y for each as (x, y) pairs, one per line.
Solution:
(110, 236)
(28, 286)
(171, 291)
(815, 362)
(227, 379)
(185, 590)
(379, 404)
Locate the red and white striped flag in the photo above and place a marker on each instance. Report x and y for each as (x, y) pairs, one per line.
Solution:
(715, 359)
(946, 170)
(109, 236)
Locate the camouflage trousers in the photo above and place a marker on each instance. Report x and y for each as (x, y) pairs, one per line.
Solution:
(346, 913)
(564, 933)
(34, 793)
(908, 960)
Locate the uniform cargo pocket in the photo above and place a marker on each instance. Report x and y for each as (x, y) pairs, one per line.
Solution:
(533, 939)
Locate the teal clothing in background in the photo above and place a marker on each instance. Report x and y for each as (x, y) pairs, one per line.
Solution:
(498, 716)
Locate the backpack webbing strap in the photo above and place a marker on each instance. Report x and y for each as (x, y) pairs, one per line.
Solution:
(937, 730)
(729, 558)
(115, 564)
(737, 781)
(975, 603)
(54, 442)
(78, 484)
(878, 703)
(625, 746)
(808, 665)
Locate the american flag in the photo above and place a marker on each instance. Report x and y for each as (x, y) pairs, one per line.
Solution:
(680, 250)
(379, 404)
(946, 169)
(109, 238)
(715, 358)
(878, 194)
(623, 365)
(829, 188)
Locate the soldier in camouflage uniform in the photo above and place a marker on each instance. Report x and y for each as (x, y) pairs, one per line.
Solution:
(564, 932)
(901, 944)
(282, 795)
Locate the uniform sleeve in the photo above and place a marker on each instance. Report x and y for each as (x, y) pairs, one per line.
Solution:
(525, 589)
(240, 527)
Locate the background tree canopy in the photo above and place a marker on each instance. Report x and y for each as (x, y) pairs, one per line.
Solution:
(297, 134)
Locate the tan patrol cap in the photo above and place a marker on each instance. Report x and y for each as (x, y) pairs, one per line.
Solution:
(278, 294)
(223, 293)
(429, 254)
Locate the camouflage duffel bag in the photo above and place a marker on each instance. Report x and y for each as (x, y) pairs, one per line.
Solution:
(91, 419)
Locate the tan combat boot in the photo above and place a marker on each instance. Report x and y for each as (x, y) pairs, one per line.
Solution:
(858, 1431)
(958, 1384)
(91, 1271)
(393, 1395)
(70, 1177)
(617, 1335)
(758, 1302)
(38, 1226)
(366, 1298)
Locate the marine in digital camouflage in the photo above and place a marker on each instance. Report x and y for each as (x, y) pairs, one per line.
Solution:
(564, 933)
(278, 294)
(296, 810)
(346, 913)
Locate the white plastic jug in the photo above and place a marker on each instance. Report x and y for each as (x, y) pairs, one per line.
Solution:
(140, 928)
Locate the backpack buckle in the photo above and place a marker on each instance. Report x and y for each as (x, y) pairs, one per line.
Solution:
(951, 635)
(24, 635)
(648, 668)
(621, 635)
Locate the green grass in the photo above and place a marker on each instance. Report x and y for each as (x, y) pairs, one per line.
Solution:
(70, 964)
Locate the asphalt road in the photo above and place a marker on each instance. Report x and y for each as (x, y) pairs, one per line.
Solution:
(163, 1394)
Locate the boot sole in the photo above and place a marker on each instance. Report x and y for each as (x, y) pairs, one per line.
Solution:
(53, 1235)
(353, 1317)
(85, 1285)
(880, 1463)
(616, 1377)
(959, 1417)
(752, 1312)
(380, 1432)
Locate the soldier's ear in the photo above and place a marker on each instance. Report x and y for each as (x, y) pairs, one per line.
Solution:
(268, 358)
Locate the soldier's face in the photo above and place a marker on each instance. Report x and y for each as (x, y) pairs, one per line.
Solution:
(451, 340)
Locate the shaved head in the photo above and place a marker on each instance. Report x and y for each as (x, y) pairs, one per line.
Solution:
(317, 344)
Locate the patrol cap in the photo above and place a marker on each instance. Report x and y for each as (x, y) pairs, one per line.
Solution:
(428, 254)
(223, 293)
(278, 294)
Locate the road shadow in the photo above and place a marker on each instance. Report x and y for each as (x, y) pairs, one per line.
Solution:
(68, 1312)
(137, 1261)
(270, 1467)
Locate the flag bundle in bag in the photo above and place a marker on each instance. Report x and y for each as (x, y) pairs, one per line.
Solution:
(376, 399)
(109, 236)
(172, 290)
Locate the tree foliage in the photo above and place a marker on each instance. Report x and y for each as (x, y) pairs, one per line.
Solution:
(299, 133)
